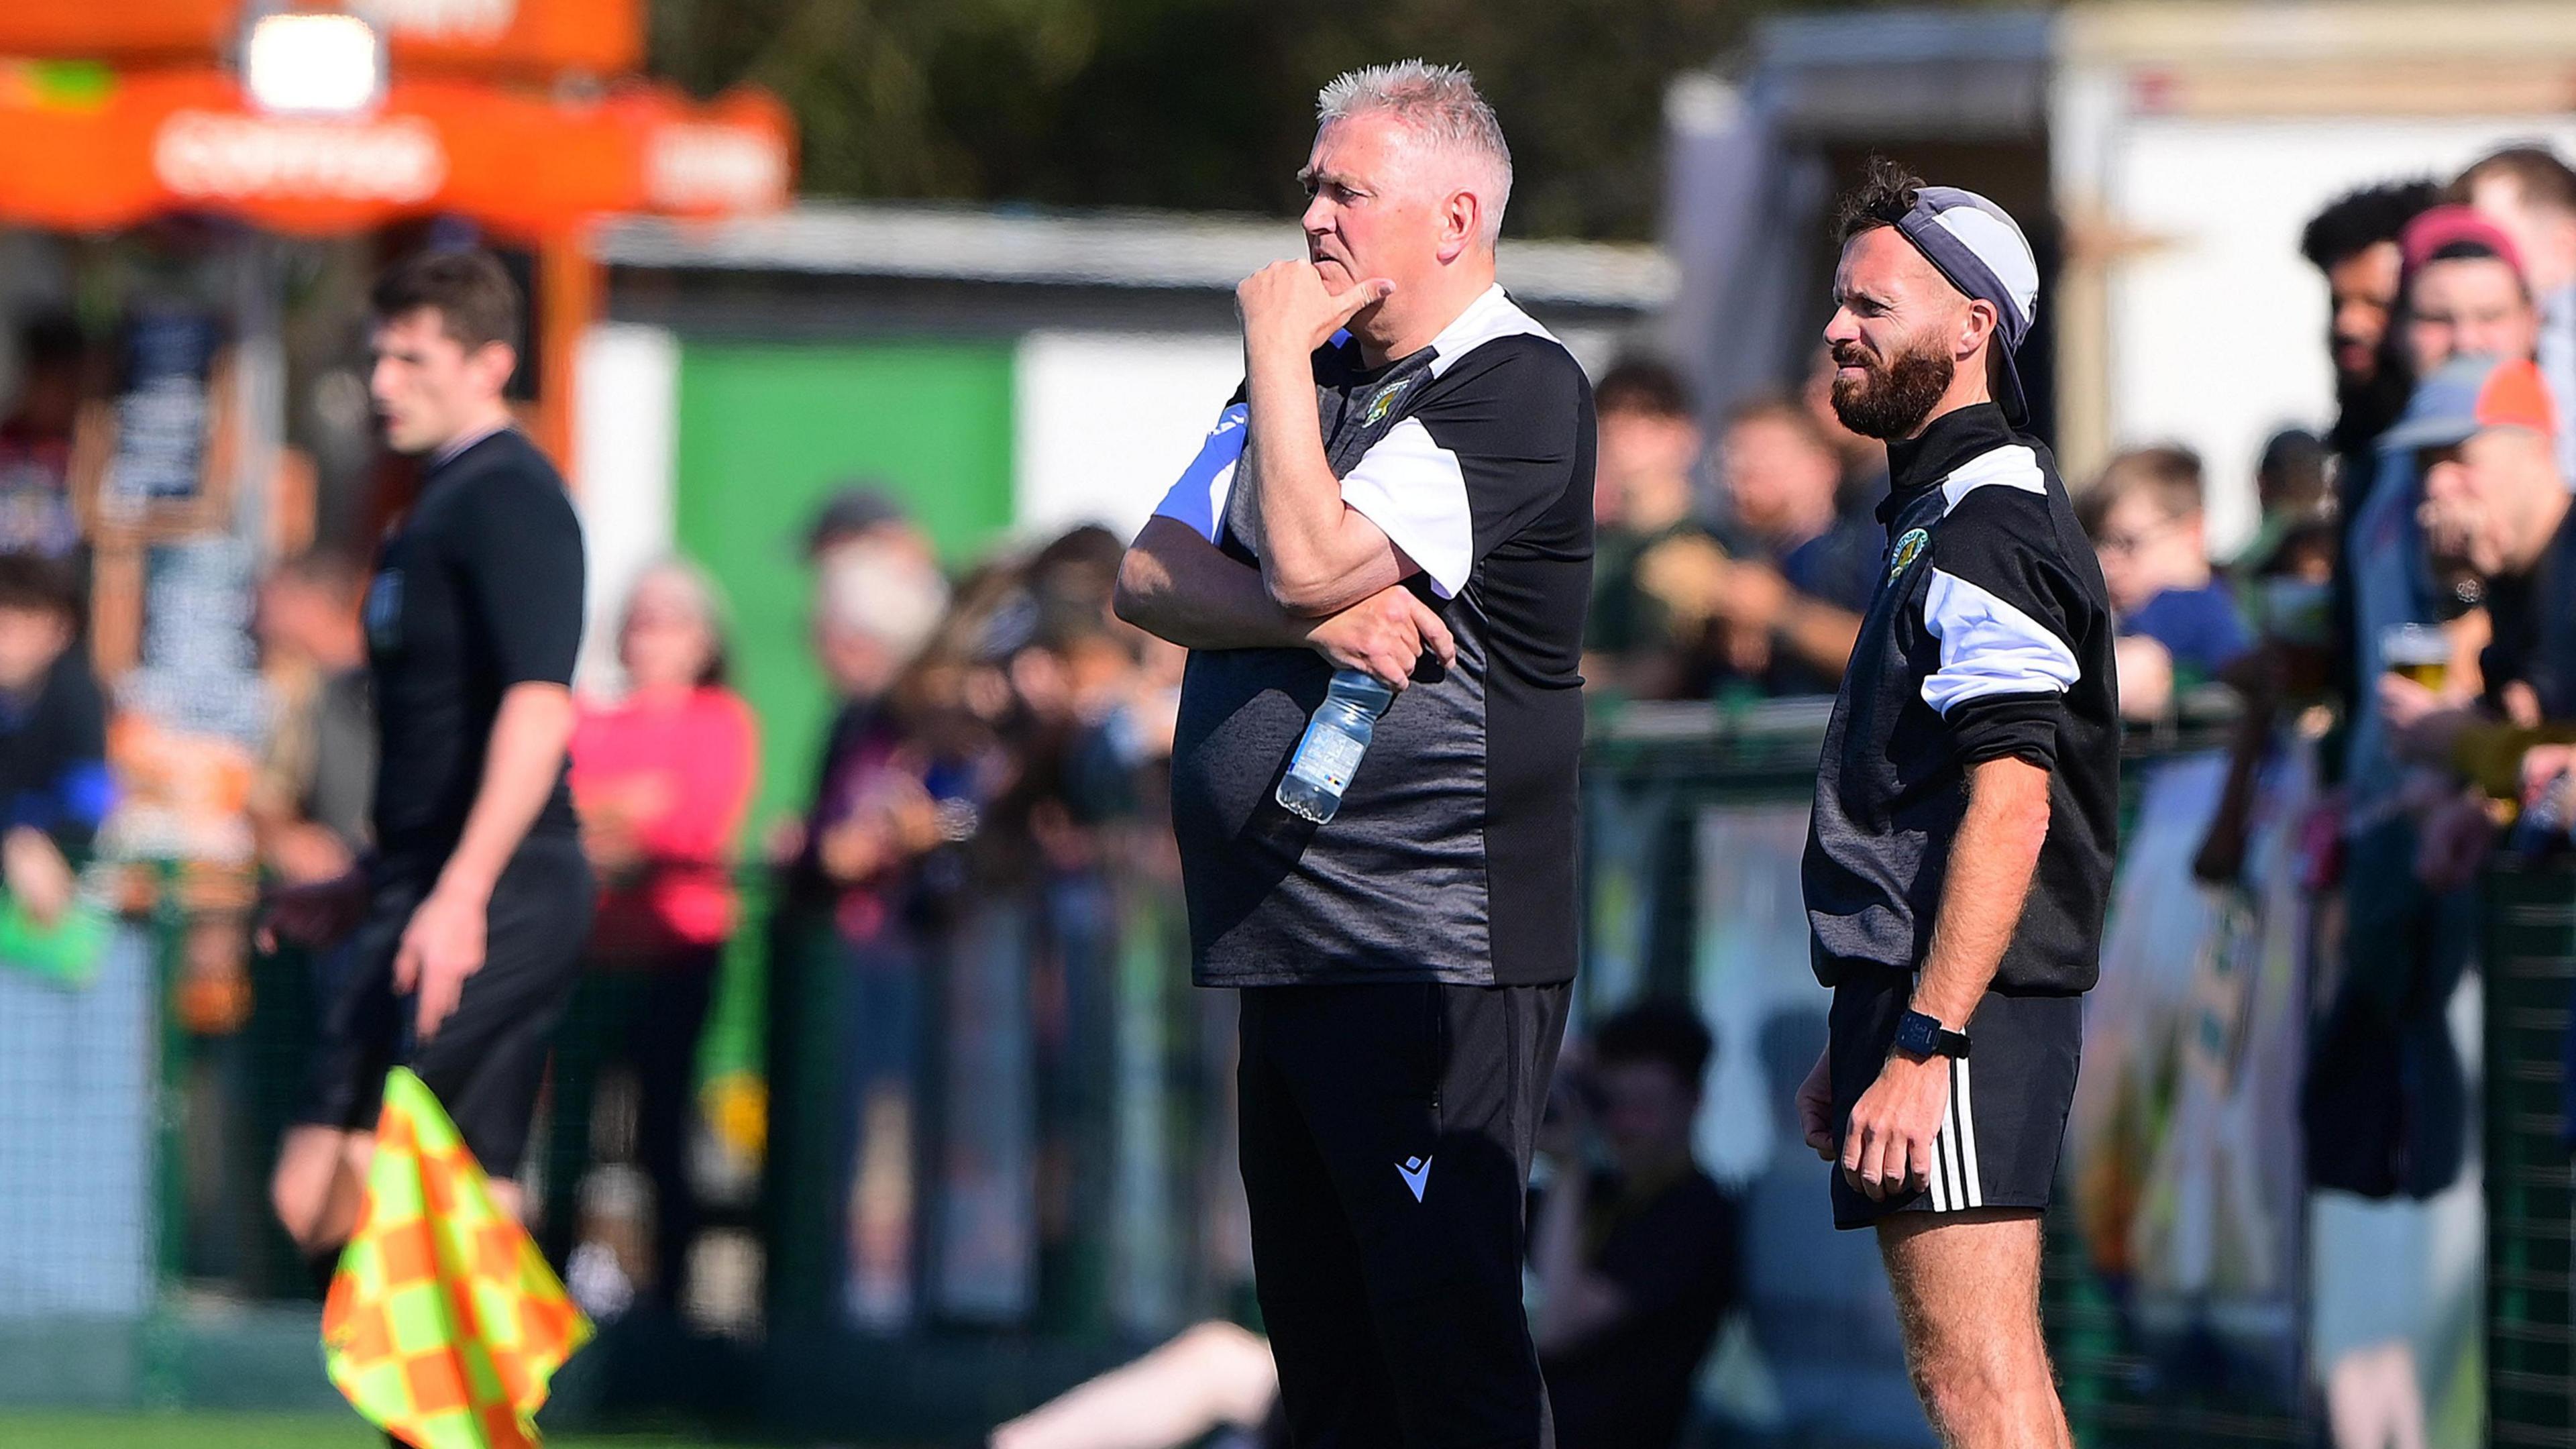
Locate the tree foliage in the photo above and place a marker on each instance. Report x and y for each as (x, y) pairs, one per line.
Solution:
(1194, 104)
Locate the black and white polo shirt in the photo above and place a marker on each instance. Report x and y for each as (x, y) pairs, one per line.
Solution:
(1990, 636)
(1453, 856)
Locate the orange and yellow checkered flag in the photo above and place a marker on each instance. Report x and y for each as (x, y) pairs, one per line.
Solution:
(444, 1322)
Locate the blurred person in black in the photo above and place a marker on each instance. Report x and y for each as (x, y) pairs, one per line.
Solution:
(2531, 194)
(2354, 243)
(1633, 1246)
(1653, 557)
(36, 441)
(54, 783)
(469, 916)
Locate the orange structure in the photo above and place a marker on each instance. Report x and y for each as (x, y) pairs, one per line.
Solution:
(518, 115)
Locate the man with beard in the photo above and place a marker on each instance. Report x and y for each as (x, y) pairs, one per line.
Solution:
(2353, 242)
(1959, 853)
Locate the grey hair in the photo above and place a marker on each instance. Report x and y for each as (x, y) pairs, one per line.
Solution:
(1440, 104)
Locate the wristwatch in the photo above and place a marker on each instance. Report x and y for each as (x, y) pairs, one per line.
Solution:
(1922, 1037)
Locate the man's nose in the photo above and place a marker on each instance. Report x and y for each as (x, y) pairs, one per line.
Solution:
(1842, 327)
(1318, 218)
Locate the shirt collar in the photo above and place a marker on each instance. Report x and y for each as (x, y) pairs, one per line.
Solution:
(456, 447)
(1472, 318)
(1952, 439)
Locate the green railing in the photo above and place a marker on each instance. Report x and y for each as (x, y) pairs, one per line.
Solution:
(1063, 1191)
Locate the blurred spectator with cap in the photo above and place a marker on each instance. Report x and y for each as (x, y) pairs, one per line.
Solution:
(2463, 295)
(861, 511)
(2531, 194)
(2494, 505)
(2465, 292)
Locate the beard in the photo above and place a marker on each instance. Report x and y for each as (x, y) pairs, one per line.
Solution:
(1892, 398)
(2365, 407)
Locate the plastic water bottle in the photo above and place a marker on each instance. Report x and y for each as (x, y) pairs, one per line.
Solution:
(1335, 739)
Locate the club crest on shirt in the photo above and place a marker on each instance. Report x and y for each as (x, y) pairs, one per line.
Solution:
(1908, 549)
(1383, 404)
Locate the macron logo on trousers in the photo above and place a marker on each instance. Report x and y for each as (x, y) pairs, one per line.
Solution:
(1416, 1172)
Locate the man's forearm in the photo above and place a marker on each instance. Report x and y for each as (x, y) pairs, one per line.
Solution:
(526, 755)
(1317, 556)
(1988, 881)
(1177, 586)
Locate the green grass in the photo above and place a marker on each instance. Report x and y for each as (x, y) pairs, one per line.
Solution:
(254, 1431)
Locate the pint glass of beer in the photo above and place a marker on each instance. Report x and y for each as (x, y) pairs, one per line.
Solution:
(2417, 651)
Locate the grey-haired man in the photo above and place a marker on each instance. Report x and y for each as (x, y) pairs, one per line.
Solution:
(1403, 486)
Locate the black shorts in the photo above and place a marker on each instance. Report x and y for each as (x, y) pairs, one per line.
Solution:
(488, 1060)
(1387, 1133)
(2008, 1098)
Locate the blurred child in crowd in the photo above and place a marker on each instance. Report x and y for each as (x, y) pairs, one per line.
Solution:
(2178, 625)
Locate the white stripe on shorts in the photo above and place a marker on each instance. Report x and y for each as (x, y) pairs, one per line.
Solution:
(1963, 1111)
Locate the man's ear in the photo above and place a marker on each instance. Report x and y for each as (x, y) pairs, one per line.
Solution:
(1461, 217)
(498, 359)
(1976, 325)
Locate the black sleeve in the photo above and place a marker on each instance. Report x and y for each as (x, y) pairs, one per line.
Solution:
(2008, 615)
(1491, 447)
(522, 567)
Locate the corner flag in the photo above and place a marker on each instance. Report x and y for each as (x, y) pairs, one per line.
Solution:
(443, 1323)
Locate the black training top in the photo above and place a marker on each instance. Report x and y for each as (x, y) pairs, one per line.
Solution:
(1989, 637)
(478, 590)
(1453, 855)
